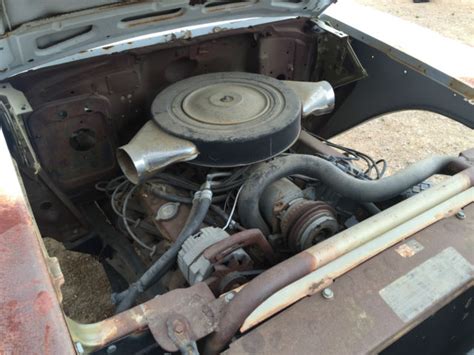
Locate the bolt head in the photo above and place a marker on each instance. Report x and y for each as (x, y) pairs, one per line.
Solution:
(111, 349)
(179, 327)
(228, 297)
(461, 215)
(327, 293)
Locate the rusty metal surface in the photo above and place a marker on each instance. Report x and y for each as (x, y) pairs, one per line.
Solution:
(230, 271)
(317, 280)
(31, 319)
(254, 293)
(169, 228)
(193, 304)
(301, 230)
(363, 322)
(111, 96)
(196, 304)
(250, 237)
(294, 268)
(126, 25)
(80, 133)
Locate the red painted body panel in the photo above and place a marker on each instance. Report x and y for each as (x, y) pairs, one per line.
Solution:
(31, 319)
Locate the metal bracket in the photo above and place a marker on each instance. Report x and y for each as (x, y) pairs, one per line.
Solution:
(338, 64)
(179, 332)
(13, 104)
(180, 317)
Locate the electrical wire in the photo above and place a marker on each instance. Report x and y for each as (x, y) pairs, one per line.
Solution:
(119, 189)
(355, 155)
(231, 214)
(127, 226)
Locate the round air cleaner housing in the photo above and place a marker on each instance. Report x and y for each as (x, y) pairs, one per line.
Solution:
(232, 118)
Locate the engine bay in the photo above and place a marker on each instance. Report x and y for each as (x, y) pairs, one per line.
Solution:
(190, 199)
(201, 164)
(203, 129)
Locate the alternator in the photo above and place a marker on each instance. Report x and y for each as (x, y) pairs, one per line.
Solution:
(191, 261)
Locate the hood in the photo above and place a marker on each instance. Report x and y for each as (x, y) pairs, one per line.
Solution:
(35, 34)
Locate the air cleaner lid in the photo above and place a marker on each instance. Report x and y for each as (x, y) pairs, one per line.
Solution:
(233, 118)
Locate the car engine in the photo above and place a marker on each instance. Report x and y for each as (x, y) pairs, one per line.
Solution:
(200, 171)
(194, 198)
(207, 135)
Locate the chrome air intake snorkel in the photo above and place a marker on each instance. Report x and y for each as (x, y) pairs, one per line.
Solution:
(222, 120)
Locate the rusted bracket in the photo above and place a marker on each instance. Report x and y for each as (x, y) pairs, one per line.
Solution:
(179, 332)
(192, 309)
(338, 64)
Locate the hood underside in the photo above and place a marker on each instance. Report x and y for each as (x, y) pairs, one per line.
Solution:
(50, 32)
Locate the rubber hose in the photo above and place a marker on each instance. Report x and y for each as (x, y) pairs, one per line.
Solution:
(371, 208)
(127, 298)
(312, 166)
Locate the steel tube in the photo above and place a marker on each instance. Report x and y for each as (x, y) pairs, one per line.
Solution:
(292, 269)
(384, 221)
(94, 336)
(321, 278)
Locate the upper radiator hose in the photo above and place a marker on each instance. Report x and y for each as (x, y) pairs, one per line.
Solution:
(359, 190)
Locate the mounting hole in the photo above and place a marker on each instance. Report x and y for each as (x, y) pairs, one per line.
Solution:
(281, 77)
(46, 205)
(31, 60)
(83, 139)
(62, 114)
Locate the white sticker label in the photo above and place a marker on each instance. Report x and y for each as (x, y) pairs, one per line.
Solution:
(426, 284)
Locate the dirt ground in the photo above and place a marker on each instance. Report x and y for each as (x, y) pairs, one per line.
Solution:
(401, 138)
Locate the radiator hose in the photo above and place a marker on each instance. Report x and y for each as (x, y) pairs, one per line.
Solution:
(266, 173)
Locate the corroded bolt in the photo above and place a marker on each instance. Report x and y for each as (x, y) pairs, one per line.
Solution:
(327, 293)
(178, 327)
(461, 215)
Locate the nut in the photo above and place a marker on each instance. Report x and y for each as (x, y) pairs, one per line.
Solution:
(327, 293)
(178, 327)
(461, 215)
(229, 297)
